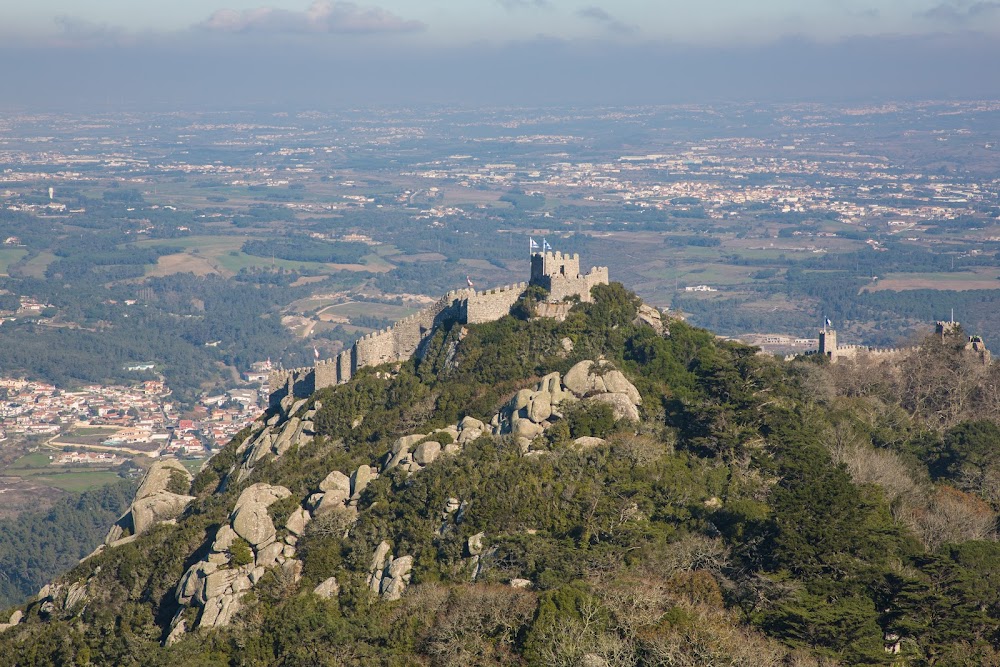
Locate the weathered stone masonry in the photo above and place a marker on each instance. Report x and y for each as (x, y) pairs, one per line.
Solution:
(830, 348)
(556, 272)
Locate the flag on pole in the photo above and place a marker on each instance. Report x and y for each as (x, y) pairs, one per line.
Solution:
(828, 322)
(532, 244)
(469, 280)
(316, 353)
(545, 245)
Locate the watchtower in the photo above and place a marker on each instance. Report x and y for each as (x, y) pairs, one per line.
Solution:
(548, 265)
(828, 343)
(943, 328)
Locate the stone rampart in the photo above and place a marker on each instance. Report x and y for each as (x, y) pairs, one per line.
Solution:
(490, 305)
(829, 347)
(291, 382)
(853, 351)
(396, 343)
(556, 272)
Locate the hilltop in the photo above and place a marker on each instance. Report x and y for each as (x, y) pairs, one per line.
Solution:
(602, 488)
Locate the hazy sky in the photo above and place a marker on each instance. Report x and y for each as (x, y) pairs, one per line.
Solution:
(459, 21)
(456, 51)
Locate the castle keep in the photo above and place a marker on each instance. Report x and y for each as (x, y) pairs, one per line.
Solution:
(554, 271)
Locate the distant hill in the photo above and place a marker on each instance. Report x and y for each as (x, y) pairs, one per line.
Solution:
(610, 489)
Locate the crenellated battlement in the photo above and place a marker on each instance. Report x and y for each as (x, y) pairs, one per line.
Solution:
(557, 272)
(520, 287)
(829, 347)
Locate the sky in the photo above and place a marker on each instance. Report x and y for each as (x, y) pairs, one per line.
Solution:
(470, 52)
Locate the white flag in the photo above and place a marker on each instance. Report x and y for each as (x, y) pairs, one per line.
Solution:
(545, 245)
(469, 280)
(532, 244)
(316, 353)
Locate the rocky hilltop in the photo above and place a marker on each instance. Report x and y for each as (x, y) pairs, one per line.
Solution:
(605, 488)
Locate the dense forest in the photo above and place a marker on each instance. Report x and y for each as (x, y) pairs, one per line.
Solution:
(761, 512)
(37, 546)
(171, 328)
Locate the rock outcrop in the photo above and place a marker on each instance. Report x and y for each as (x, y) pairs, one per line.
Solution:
(218, 583)
(154, 501)
(249, 545)
(13, 620)
(621, 406)
(328, 589)
(650, 317)
(287, 428)
(602, 382)
(389, 576)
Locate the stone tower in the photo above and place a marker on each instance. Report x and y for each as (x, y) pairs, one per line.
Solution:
(943, 328)
(828, 343)
(560, 274)
(548, 265)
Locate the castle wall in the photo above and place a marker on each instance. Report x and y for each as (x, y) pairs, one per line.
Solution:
(556, 272)
(396, 343)
(375, 348)
(855, 351)
(325, 373)
(598, 275)
(344, 369)
(299, 382)
(829, 347)
(553, 311)
(491, 305)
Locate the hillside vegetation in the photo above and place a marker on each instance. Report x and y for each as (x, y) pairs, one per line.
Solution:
(758, 513)
(37, 546)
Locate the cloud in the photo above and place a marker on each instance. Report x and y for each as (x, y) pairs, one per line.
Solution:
(598, 15)
(77, 31)
(523, 4)
(322, 16)
(960, 11)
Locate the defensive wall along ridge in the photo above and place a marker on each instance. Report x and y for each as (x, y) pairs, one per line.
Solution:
(556, 272)
(829, 347)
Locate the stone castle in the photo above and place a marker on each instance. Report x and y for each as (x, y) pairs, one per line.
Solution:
(829, 347)
(556, 272)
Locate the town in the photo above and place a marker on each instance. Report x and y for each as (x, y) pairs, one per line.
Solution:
(107, 425)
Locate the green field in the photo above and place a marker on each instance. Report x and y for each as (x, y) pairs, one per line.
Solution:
(87, 435)
(89, 431)
(207, 245)
(30, 462)
(78, 481)
(35, 267)
(10, 256)
(233, 263)
(192, 465)
(36, 467)
(981, 278)
(697, 273)
(222, 254)
(355, 308)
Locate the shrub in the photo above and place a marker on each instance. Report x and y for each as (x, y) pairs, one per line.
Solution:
(240, 553)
